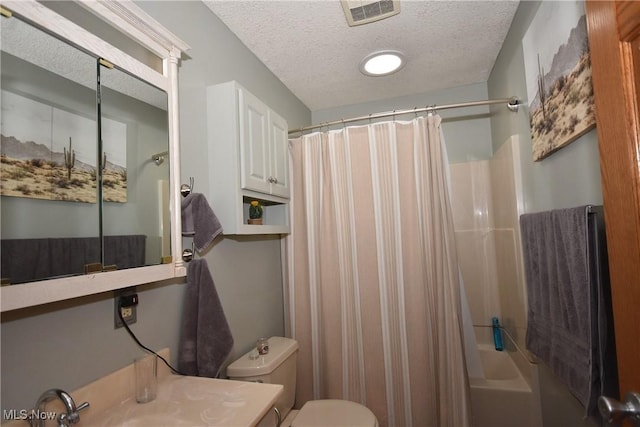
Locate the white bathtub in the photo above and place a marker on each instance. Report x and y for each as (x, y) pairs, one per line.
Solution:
(503, 398)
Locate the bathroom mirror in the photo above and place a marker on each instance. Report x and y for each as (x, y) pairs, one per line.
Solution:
(90, 162)
(49, 204)
(59, 141)
(135, 183)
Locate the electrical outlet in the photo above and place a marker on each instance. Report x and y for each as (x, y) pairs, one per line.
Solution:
(129, 314)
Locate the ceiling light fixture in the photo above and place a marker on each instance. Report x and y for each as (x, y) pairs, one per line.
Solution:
(382, 63)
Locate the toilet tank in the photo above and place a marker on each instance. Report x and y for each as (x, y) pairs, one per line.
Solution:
(276, 367)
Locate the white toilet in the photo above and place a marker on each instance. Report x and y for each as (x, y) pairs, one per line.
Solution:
(279, 367)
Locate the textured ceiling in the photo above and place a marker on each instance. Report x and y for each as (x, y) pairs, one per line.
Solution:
(308, 45)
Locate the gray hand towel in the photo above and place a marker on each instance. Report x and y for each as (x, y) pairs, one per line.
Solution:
(199, 220)
(205, 338)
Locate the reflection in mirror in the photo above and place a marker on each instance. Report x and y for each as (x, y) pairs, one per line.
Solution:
(135, 191)
(82, 186)
(48, 192)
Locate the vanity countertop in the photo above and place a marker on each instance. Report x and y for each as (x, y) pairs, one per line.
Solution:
(194, 401)
(180, 401)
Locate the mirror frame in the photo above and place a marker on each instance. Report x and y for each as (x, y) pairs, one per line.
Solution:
(129, 19)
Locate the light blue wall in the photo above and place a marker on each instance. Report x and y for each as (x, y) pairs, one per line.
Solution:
(247, 270)
(569, 177)
(72, 343)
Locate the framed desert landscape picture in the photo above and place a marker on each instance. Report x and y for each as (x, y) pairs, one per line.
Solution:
(558, 76)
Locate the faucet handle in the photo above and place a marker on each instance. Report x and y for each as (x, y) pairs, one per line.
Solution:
(72, 417)
(82, 406)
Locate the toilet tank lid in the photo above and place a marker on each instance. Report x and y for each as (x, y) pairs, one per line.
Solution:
(280, 349)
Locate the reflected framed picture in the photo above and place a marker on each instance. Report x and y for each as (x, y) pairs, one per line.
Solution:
(50, 153)
(558, 77)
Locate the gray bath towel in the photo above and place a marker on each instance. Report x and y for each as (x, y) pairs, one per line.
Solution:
(199, 221)
(205, 337)
(569, 324)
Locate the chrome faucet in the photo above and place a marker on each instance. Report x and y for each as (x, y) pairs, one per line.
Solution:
(72, 415)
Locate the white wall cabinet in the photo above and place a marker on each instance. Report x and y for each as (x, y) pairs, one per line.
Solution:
(263, 147)
(249, 160)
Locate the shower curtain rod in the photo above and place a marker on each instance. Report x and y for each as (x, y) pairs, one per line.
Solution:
(512, 104)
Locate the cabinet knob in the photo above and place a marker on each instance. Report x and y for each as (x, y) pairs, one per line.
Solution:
(272, 180)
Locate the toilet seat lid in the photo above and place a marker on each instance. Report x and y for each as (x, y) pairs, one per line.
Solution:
(330, 412)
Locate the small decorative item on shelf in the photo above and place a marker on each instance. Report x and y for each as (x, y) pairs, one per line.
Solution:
(255, 213)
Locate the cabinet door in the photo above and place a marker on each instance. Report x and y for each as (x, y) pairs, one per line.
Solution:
(254, 143)
(279, 155)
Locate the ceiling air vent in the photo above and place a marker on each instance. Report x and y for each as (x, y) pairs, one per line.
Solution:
(360, 12)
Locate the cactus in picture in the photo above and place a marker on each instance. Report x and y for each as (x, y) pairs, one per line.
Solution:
(69, 159)
(542, 92)
(255, 210)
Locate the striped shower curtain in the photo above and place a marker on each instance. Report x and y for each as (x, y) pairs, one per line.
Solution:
(373, 275)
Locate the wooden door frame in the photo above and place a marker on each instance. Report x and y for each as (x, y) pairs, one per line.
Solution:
(612, 26)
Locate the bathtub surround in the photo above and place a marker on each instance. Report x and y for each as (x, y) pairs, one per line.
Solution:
(374, 273)
(486, 200)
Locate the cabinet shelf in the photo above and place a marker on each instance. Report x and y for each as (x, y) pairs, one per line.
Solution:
(274, 216)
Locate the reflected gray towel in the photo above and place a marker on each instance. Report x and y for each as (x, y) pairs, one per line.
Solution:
(26, 260)
(567, 318)
(199, 220)
(205, 337)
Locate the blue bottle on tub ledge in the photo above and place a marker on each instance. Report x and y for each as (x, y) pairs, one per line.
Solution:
(497, 334)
